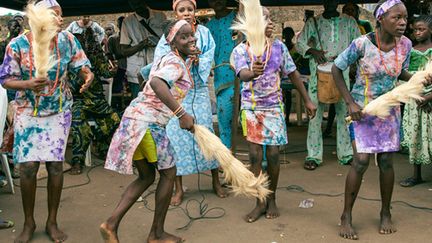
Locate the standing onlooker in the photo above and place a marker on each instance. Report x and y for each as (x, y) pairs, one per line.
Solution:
(80, 26)
(224, 76)
(91, 105)
(15, 29)
(109, 31)
(417, 118)
(353, 10)
(139, 35)
(331, 34)
(120, 64)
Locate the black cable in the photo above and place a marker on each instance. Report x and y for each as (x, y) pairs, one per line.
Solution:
(297, 188)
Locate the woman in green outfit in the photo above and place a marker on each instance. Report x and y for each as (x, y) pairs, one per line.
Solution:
(417, 120)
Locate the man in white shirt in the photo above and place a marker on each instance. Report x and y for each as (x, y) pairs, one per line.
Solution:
(140, 33)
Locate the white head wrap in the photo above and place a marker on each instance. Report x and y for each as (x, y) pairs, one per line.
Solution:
(48, 4)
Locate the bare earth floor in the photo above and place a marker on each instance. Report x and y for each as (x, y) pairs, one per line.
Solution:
(83, 208)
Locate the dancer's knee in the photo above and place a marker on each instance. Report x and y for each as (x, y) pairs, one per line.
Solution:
(273, 154)
(385, 162)
(54, 168)
(361, 164)
(168, 174)
(29, 169)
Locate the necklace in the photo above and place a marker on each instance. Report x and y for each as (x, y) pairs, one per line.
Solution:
(268, 54)
(188, 72)
(53, 88)
(396, 72)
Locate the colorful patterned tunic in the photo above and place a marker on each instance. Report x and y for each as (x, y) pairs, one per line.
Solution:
(148, 112)
(261, 99)
(42, 137)
(372, 134)
(189, 159)
(417, 124)
(336, 34)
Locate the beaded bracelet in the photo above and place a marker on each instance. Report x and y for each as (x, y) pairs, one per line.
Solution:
(178, 110)
(181, 115)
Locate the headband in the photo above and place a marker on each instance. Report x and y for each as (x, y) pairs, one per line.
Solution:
(48, 4)
(176, 2)
(384, 8)
(175, 29)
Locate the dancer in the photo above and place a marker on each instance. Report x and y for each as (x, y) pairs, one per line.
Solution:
(417, 119)
(141, 138)
(262, 109)
(43, 116)
(189, 159)
(382, 58)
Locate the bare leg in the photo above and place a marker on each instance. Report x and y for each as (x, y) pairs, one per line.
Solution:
(217, 188)
(146, 177)
(273, 172)
(162, 201)
(54, 187)
(385, 163)
(255, 158)
(352, 187)
(28, 173)
(177, 198)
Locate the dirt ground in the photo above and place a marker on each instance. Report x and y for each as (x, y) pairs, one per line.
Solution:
(84, 207)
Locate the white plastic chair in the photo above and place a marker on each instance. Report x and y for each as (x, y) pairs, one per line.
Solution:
(3, 157)
(108, 96)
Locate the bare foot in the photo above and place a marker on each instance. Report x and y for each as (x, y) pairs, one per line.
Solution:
(164, 238)
(272, 210)
(177, 199)
(55, 233)
(386, 226)
(256, 213)
(346, 229)
(26, 234)
(108, 235)
(219, 191)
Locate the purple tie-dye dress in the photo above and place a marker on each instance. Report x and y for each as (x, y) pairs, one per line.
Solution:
(372, 134)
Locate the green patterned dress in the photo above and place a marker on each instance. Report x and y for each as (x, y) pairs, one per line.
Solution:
(417, 124)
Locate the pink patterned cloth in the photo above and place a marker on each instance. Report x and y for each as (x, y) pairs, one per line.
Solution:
(148, 112)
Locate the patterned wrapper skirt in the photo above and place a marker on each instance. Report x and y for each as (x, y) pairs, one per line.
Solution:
(41, 138)
(189, 159)
(376, 135)
(126, 140)
(265, 127)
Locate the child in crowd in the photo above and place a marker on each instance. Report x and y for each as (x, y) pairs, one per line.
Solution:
(262, 109)
(417, 119)
(141, 138)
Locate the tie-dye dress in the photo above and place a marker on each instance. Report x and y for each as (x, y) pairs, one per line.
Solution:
(377, 73)
(189, 159)
(148, 112)
(41, 131)
(262, 114)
